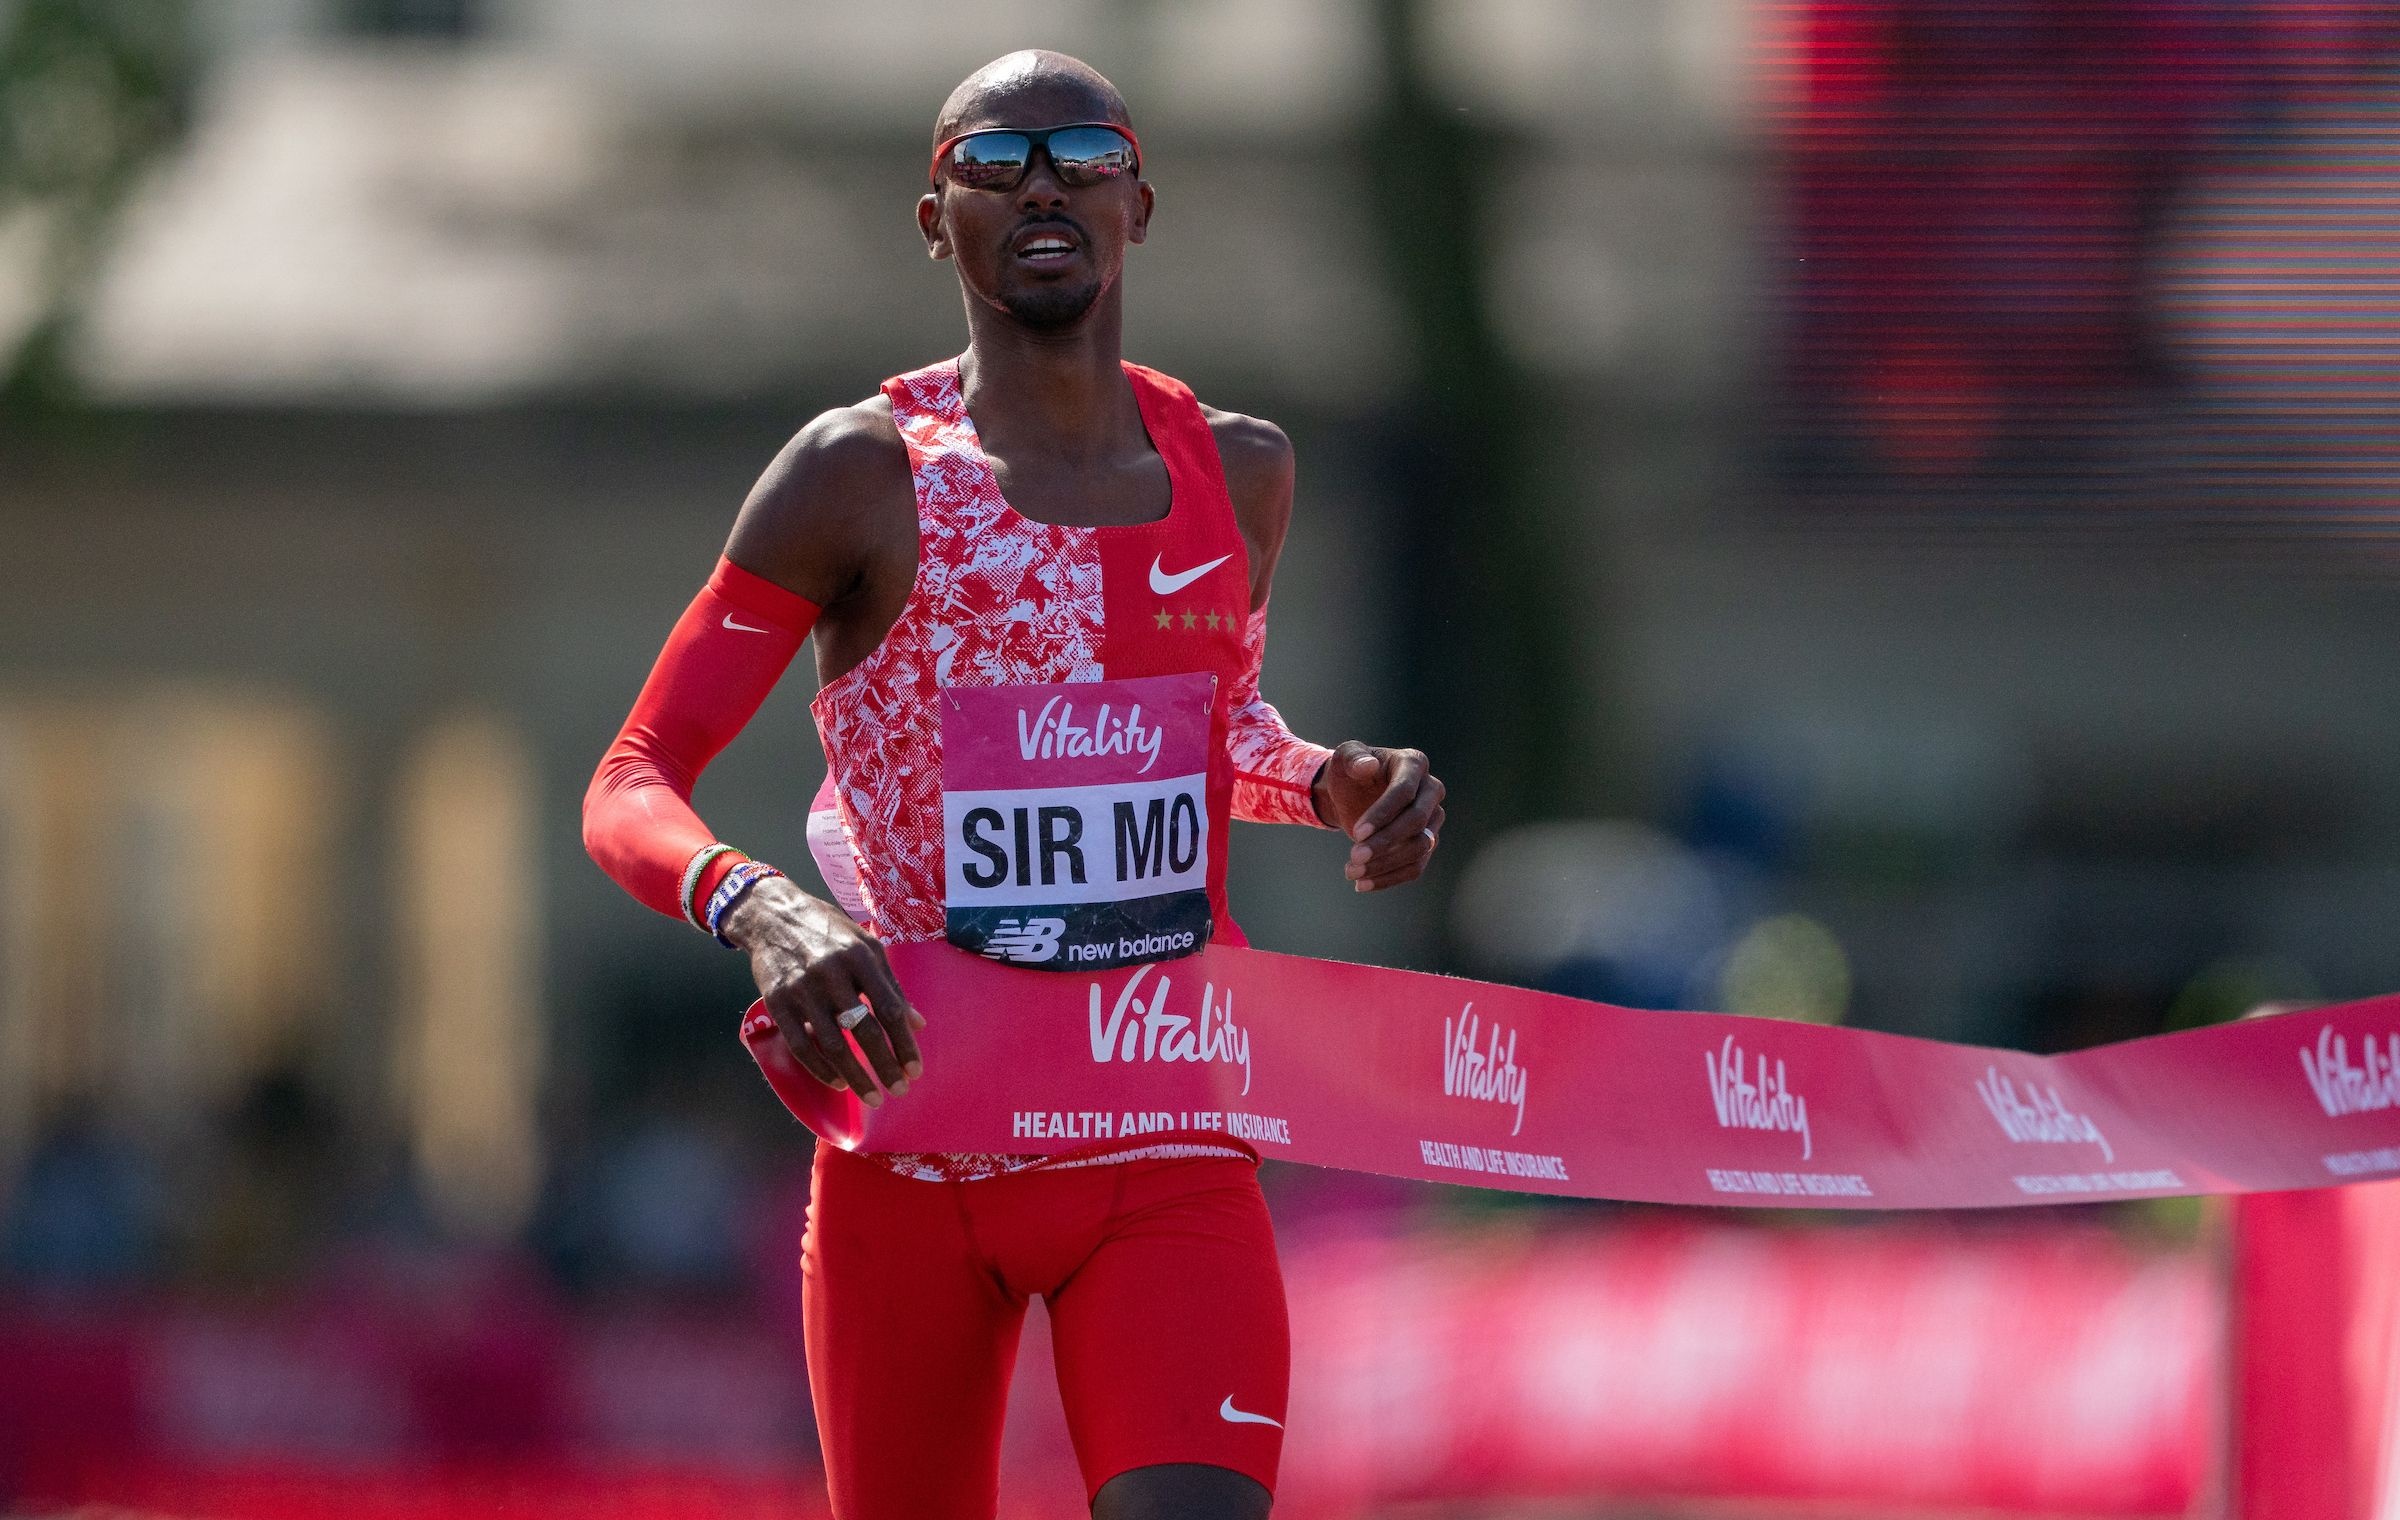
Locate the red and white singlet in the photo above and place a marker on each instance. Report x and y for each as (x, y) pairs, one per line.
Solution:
(1002, 600)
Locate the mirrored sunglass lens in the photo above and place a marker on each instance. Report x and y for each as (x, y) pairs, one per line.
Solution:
(992, 160)
(1085, 154)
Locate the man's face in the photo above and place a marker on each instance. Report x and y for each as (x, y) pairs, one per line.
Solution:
(1045, 251)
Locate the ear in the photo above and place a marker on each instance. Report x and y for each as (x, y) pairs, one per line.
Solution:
(1139, 232)
(929, 223)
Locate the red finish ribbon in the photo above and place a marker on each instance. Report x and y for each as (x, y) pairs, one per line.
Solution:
(1449, 1080)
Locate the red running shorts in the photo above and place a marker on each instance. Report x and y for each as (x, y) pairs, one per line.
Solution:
(1166, 1320)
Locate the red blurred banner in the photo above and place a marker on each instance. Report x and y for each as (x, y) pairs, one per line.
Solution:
(2315, 1374)
(2051, 1370)
(2055, 1372)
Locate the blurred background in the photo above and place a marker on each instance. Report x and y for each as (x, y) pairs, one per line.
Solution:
(1881, 510)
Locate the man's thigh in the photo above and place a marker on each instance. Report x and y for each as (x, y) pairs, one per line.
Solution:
(911, 1340)
(1172, 1344)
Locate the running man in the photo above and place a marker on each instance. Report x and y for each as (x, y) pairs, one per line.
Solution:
(1035, 511)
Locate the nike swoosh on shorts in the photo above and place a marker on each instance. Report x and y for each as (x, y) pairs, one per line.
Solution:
(1167, 585)
(1233, 1416)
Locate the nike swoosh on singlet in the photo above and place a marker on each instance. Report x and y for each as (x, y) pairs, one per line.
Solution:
(744, 627)
(1233, 1416)
(1167, 585)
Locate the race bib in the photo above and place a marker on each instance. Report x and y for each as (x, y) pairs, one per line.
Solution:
(1075, 822)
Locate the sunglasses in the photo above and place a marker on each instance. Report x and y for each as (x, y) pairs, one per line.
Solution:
(1082, 153)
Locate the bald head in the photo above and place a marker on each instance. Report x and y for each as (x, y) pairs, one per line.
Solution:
(1032, 88)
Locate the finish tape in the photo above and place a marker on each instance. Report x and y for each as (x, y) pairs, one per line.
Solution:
(1448, 1080)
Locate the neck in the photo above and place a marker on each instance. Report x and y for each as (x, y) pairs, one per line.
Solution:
(1065, 386)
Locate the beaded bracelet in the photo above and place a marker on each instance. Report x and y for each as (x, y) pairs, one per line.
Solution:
(691, 881)
(733, 889)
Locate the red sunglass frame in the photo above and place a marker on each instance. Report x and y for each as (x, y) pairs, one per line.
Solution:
(1041, 137)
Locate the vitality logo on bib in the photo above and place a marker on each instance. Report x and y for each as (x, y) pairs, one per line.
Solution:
(1075, 820)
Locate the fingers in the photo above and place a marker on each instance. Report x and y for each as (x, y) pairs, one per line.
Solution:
(1403, 774)
(827, 990)
(792, 1023)
(1412, 819)
(833, 1042)
(1404, 870)
(810, 1015)
(1365, 863)
(890, 1037)
(1405, 862)
(877, 1046)
(1406, 841)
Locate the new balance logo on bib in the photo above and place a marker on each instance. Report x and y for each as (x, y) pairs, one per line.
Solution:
(1075, 820)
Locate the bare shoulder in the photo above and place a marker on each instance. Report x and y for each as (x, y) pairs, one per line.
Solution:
(1259, 469)
(835, 498)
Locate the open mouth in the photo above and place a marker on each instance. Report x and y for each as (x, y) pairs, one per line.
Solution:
(1040, 246)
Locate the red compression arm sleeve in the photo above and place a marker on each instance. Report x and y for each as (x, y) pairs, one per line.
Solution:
(727, 652)
(1272, 766)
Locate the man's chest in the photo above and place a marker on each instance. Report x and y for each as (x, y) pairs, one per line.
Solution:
(1171, 593)
(1119, 493)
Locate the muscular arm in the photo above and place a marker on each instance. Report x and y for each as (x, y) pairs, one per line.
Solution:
(815, 544)
(834, 519)
(1274, 768)
(805, 553)
(1259, 470)
(1384, 799)
(727, 651)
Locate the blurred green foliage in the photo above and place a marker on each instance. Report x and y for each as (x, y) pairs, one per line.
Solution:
(91, 93)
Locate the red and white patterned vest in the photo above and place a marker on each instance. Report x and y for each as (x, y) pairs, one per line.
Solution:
(1000, 599)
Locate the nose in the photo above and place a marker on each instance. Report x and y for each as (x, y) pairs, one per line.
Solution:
(1041, 190)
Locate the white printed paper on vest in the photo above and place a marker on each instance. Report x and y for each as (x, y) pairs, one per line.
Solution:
(1075, 820)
